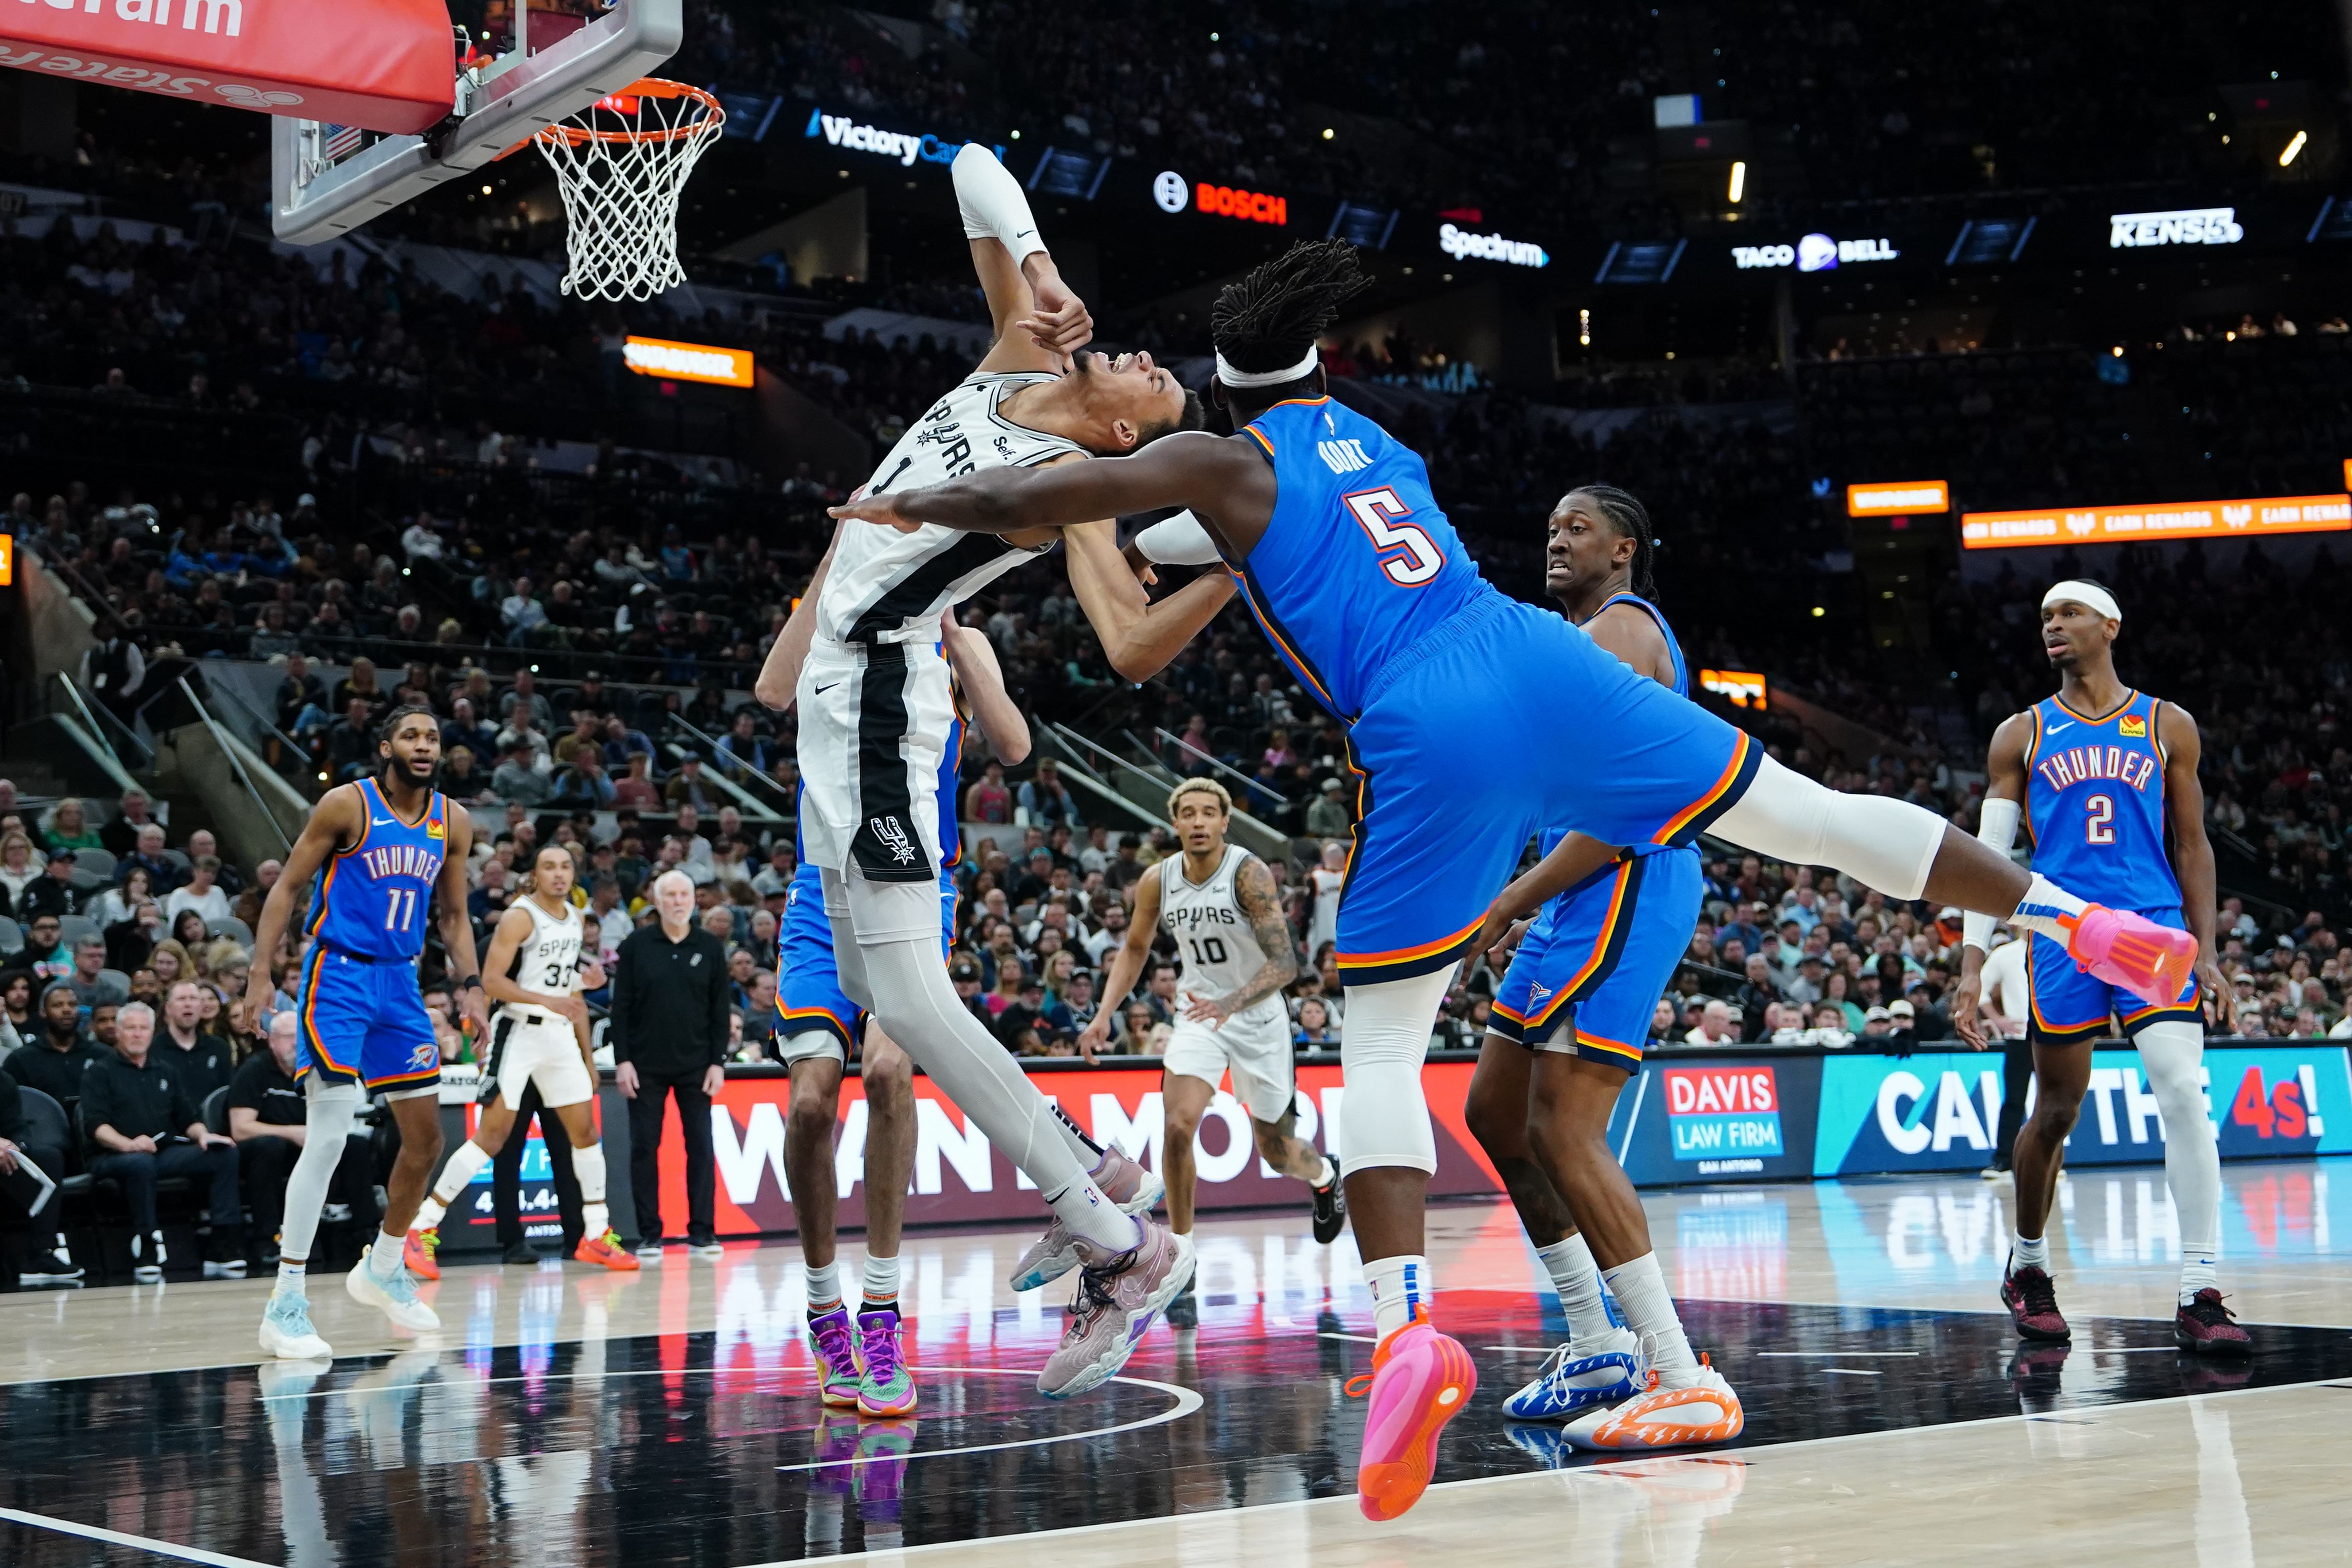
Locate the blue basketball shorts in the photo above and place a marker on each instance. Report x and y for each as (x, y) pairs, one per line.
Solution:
(363, 1023)
(810, 1003)
(2071, 1007)
(1594, 963)
(1505, 721)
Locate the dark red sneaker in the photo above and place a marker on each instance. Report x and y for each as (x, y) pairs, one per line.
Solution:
(2205, 1327)
(2032, 1303)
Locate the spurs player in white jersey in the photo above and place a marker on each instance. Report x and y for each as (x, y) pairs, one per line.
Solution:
(534, 971)
(875, 715)
(1220, 903)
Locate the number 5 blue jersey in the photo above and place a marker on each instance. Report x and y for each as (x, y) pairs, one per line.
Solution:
(1353, 524)
(2094, 802)
(377, 895)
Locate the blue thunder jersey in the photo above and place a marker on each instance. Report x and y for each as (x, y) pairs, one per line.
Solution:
(2094, 804)
(1333, 614)
(1552, 836)
(377, 896)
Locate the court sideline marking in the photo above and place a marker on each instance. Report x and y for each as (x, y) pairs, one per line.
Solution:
(135, 1542)
(1187, 1402)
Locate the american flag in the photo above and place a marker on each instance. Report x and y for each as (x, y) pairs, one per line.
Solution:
(340, 141)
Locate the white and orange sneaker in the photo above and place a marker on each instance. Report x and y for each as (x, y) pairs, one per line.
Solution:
(2153, 962)
(606, 1251)
(417, 1249)
(1691, 1415)
(1420, 1380)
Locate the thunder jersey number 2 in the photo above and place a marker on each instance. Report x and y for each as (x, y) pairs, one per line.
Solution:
(1381, 514)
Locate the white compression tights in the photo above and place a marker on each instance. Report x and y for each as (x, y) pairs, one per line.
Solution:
(1386, 1117)
(2172, 1054)
(1882, 843)
(326, 1123)
(903, 982)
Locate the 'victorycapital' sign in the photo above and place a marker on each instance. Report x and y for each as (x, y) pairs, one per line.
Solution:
(841, 130)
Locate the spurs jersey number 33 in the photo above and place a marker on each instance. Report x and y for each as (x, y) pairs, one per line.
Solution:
(379, 893)
(2095, 800)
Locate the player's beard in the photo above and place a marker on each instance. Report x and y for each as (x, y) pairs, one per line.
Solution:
(409, 775)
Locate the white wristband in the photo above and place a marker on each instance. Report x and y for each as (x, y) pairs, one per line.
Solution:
(993, 203)
(1177, 541)
(1997, 831)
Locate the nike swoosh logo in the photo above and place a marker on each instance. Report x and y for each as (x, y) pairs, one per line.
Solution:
(2055, 727)
(1025, 234)
(383, 822)
(823, 690)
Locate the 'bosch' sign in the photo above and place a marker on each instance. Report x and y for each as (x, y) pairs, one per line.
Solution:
(1172, 191)
(1814, 253)
(1459, 243)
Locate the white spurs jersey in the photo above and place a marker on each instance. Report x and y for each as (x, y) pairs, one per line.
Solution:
(548, 959)
(1219, 951)
(888, 586)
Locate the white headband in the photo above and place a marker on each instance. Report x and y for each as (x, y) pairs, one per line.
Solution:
(2083, 592)
(1232, 377)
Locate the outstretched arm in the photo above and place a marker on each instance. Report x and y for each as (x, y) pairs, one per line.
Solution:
(1227, 485)
(2193, 855)
(1996, 819)
(993, 707)
(780, 673)
(1039, 321)
(457, 923)
(1140, 637)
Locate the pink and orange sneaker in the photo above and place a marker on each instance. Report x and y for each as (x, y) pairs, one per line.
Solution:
(416, 1251)
(1420, 1380)
(2153, 962)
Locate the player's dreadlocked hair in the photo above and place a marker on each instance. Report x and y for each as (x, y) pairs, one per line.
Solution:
(1630, 520)
(1270, 318)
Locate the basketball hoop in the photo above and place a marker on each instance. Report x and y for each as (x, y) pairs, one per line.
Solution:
(620, 164)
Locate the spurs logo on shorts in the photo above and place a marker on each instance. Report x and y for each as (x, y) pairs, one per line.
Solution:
(894, 839)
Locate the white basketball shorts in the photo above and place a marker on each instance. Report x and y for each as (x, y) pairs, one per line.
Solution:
(1255, 1045)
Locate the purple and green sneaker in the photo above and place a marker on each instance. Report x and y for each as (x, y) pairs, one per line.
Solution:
(888, 1387)
(836, 1344)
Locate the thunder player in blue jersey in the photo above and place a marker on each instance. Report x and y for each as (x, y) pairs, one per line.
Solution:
(1327, 529)
(393, 849)
(1574, 1008)
(2103, 773)
(859, 1351)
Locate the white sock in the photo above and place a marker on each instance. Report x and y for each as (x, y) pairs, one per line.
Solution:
(2029, 1253)
(292, 1281)
(2196, 1273)
(1577, 1280)
(384, 1257)
(2044, 902)
(1401, 1291)
(1641, 1293)
(880, 1286)
(823, 1289)
(588, 1164)
(464, 1165)
(1326, 1177)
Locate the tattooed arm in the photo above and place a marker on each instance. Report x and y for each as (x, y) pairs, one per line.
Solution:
(1261, 906)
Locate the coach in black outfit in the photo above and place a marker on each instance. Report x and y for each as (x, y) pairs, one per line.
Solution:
(668, 1031)
(143, 1126)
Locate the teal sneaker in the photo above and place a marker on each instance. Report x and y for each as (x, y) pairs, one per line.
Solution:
(888, 1387)
(838, 1370)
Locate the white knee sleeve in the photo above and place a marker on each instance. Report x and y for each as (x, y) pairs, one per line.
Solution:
(2172, 1054)
(326, 1123)
(465, 1162)
(1385, 1118)
(1884, 844)
(588, 1164)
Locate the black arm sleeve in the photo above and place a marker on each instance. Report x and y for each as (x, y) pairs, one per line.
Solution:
(621, 1029)
(719, 984)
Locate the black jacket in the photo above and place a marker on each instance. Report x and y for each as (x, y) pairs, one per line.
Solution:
(137, 1101)
(670, 1000)
(58, 1074)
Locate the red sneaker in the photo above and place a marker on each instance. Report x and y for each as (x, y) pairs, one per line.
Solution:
(2153, 962)
(606, 1251)
(416, 1251)
(2205, 1327)
(2032, 1303)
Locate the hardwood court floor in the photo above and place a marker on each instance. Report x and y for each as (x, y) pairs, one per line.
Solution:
(562, 1416)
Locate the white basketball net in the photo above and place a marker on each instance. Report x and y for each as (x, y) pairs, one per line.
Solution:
(620, 164)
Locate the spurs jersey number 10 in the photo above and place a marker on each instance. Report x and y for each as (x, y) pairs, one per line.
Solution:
(2095, 799)
(1219, 951)
(377, 895)
(888, 586)
(548, 959)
